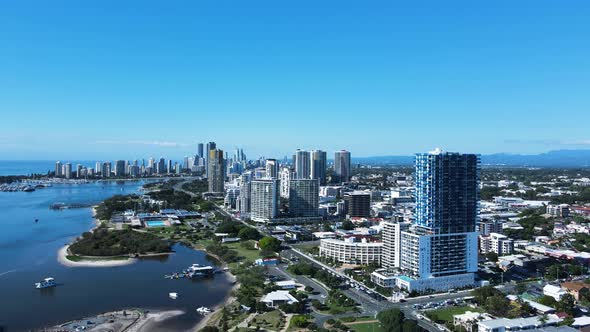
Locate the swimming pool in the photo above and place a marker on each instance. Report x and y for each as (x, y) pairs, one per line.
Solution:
(155, 223)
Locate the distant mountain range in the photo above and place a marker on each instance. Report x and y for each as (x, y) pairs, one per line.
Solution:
(558, 158)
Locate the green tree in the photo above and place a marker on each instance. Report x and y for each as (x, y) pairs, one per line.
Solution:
(299, 321)
(391, 320)
(548, 301)
(567, 304)
(249, 233)
(497, 305)
(269, 243)
(411, 326)
(347, 225)
(492, 256)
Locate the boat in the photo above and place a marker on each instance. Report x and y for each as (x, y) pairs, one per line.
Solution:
(46, 283)
(173, 296)
(197, 270)
(203, 310)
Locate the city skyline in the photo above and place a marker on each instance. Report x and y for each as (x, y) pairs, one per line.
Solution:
(360, 74)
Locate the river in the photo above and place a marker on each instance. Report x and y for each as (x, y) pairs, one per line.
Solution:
(28, 253)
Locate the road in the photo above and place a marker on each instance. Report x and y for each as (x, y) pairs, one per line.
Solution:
(369, 306)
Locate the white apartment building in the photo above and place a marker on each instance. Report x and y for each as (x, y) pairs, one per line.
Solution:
(264, 200)
(391, 235)
(495, 242)
(350, 252)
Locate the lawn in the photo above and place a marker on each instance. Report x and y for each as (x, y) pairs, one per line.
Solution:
(272, 320)
(249, 254)
(366, 327)
(446, 314)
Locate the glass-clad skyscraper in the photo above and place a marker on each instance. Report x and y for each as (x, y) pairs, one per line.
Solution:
(439, 251)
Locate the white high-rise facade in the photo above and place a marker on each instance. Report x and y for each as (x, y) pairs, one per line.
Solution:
(391, 236)
(285, 176)
(264, 200)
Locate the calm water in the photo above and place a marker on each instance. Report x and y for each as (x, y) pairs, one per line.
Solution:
(27, 167)
(28, 254)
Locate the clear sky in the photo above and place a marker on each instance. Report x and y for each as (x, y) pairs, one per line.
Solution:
(126, 79)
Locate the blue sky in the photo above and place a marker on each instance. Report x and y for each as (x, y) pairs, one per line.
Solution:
(129, 79)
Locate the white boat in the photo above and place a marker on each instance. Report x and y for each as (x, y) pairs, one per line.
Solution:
(204, 310)
(46, 283)
(173, 296)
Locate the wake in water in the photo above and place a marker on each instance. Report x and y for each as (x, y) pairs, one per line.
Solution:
(7, 272)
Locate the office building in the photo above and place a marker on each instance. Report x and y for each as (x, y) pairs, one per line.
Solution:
(58, 169)
(272, 168)
(302, 165)
(264, 200)
(357, 204)
(169, 168)
(318, 165)
(161, 166)
(439, 251)
(216, 171)
(304, 198)
(342, 166)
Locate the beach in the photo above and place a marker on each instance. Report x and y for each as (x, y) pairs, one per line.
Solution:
(63, 253)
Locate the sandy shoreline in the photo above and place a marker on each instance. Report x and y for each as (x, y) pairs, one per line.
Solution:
(63, 260)
(228, 300)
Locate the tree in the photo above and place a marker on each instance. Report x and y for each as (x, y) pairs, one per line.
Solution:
(209, 329)
(391, 320)
(567, 304)
(249, 233)
(347, 225)
(411, 326)
(548, 301)
(269, 243)
(497, 305)
(299, 321)
(492, 256)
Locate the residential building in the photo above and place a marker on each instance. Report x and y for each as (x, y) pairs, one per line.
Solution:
(120, 168)
(106, 169)
(487, 227)
(68, 171)
(342, 166)
(497, 243)
(216, 171)
(439, 251)
(391, 236)
(272, 168)
(318, 165)
(517, 324)
(302, 165)
(357, 204)
(350, 252)
(200, 150)
(285, 177)
(245, 194)
(555, 292)
(264, 200)
(579, 290)
(558, 210)
(58, 169)
(304, 197)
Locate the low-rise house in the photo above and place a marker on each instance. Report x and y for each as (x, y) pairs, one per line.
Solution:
(276, 298)
(554, 291)
(578, 290)
(286, 284)
(469, 320)
(517, 324)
